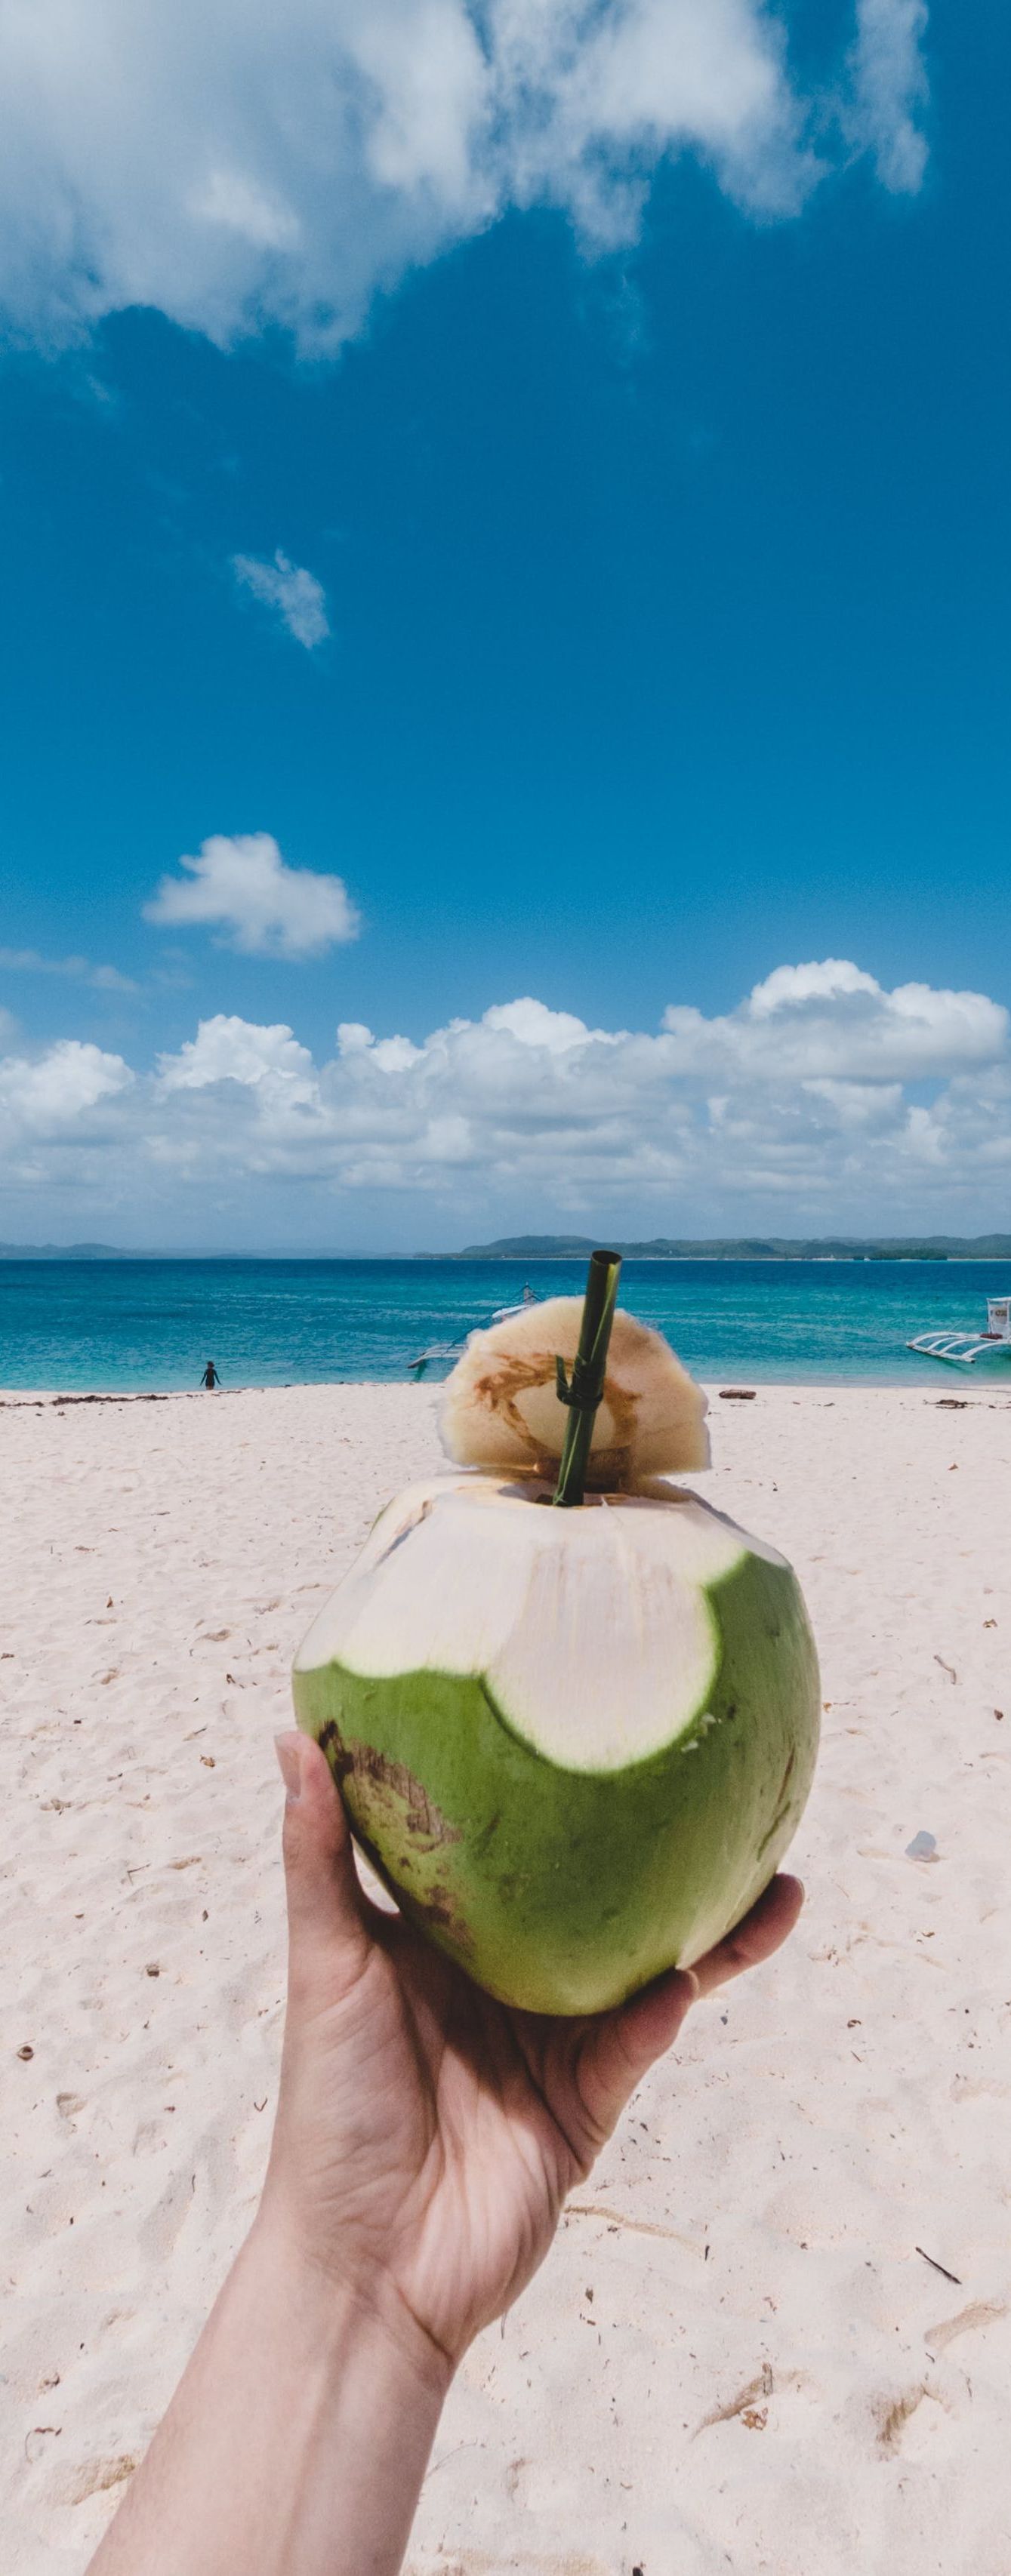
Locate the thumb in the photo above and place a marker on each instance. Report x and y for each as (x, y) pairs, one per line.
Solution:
(327, 1937)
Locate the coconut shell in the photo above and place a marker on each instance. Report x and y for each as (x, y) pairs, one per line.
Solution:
(574, 1744)
(501, 1410)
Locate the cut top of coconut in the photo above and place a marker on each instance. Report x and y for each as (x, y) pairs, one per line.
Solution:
(501, 1410)
(593, 1630)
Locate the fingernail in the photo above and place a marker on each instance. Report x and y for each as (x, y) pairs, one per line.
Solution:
(691, 1980)
(289, 1757)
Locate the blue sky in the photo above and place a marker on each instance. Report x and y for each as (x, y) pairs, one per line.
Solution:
(585, 535)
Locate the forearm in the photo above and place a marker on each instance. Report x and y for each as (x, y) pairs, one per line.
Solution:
(296, 2442)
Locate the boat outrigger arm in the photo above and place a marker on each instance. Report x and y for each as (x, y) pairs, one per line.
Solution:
(438, 1351)
(962, 1350)
(452, 1350)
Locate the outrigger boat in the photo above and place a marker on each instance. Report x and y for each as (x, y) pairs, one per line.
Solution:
(529, 1298)
(452, 1350)
(963, 1350)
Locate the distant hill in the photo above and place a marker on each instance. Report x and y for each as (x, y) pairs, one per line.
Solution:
(60, 1252)
(574, 1247)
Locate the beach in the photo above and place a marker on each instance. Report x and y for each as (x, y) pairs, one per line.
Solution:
(775, 2331)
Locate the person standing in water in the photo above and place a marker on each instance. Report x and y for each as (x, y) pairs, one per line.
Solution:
(210, 1377)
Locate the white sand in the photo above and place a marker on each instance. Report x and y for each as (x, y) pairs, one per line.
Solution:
(735, 2358)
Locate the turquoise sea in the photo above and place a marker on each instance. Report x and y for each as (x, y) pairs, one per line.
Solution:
(151, 1324)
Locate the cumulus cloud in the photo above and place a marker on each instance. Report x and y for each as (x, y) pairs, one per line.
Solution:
(242, 885)
(829, 1019)
(227, 1049)
(805, 1102)
(535, 1025)
(240, 167)
(300, 600)
(49, 1095)
(890, 87)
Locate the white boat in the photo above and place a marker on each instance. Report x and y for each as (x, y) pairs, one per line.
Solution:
(452, 1350)
(529, 1298)
(962, 1350)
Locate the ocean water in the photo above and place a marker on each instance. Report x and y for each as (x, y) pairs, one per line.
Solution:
(148, 1325)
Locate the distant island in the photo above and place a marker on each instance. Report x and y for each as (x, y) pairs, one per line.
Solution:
(61, 1252)
(574, 1247)
(577, 1247)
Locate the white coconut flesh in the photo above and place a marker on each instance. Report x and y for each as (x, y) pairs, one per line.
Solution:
(593, 1630)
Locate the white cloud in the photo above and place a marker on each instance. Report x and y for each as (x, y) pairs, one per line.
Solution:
(801, 1110)
(48, 1095)
(830, 1019)
(535, 1025)
(29, 961)
(261, 905)
(392, 1055)
(890, 85)
(300, 600)
(823, 979)
(227, 1049)
(237, 167)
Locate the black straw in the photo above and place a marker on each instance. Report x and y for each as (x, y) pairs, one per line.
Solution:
(583, 1391)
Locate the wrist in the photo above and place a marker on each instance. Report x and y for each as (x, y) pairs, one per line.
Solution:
(359, 2310)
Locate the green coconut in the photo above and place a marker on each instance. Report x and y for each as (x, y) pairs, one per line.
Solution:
(575, 1744)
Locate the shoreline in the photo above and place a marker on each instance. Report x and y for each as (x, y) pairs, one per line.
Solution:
(995, 1385)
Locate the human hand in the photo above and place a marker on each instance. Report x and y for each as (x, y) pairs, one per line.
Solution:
(426, 2136)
